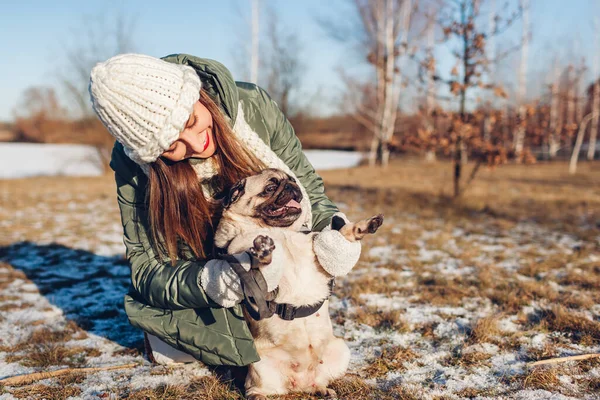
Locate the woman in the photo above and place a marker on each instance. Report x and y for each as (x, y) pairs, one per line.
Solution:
(186, 132)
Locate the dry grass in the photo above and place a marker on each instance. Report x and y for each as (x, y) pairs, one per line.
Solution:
(439, 290)
(387, 320)
(44, 348)
(470, 393)
(351, 387)
(365, 284)
(204, 388)
(52, 354)
(548, 350)
(496, 203)
(471, 359)
(542, 192)
(63, 389)
(475, 359)
(14, 306)
(406, 393)
(46, 392)
(6, 279)
(587, 281)
(545, 378)
(559, 319)
(391, 359)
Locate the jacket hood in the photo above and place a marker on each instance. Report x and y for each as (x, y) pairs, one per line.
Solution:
(216, 80)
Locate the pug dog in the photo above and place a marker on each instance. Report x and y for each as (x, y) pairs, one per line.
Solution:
(301, 354)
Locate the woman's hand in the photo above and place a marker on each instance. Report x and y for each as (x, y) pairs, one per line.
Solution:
(222, 284)
(336, 254)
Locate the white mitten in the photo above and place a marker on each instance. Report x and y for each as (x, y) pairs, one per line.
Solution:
(335, 253)
(222, 284)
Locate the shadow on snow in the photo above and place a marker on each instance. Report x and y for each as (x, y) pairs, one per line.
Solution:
(88, 288)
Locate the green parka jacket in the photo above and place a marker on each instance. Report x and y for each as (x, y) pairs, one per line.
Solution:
(168, 301)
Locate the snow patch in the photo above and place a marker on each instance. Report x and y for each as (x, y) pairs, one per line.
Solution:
(22, 160)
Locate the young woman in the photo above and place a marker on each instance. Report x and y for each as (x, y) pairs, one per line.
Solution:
(186, 132)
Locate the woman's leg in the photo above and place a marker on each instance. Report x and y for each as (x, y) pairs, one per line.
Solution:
(159, 352)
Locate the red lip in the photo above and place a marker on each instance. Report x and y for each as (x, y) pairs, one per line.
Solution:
(207, 141)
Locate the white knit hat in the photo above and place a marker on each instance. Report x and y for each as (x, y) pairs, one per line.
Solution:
(144, 102)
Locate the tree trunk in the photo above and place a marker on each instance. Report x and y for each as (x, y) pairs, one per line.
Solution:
(579, 141)
(392, 76)
(429, 122)
(487, 126)
(554, 127)
(570, 123)
(594, 129)
(464, 155)
(519, 139)
(385, 154)
(457, 168)
(373, 151)
(596, 92)
(430, 156)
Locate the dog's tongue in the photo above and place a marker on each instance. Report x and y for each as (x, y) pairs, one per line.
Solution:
(293, 204)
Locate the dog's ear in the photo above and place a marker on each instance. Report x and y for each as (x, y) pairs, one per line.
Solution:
(235, 193)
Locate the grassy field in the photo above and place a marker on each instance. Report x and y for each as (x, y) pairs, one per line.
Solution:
(451, 299)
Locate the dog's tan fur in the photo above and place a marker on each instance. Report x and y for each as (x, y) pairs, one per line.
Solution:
(301, 355)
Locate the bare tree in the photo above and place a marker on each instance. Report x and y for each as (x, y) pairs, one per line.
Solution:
(593, 116)
(554, 127)
(283, 65)
(39, 117)
(519, 138)
(570, 116)
(96, 39)
(380, 31)
(460, 24)
(428, 120)
(488, 121)
(247, 49)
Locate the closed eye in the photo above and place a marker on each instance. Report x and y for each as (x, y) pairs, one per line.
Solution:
(191, 122)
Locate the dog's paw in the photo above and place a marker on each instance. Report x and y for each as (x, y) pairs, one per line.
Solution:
(256, 397)
(374, 223)
(366, 226)
(326, 392)
(263, 249)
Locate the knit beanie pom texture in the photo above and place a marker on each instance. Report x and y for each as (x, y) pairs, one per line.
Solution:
(144, 102)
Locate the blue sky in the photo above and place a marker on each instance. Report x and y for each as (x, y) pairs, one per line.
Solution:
(33, 34)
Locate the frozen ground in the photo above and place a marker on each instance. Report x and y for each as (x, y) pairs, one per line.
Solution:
(20, 160)
(333, 159)
(435, 309)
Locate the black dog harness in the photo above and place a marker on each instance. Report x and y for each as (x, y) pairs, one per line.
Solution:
(255, 291)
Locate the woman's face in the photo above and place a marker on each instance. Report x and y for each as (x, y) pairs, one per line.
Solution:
(196, 139)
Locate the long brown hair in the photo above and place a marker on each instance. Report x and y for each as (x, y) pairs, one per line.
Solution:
(177, 207)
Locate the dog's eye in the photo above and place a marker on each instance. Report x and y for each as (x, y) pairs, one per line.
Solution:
(270, 188)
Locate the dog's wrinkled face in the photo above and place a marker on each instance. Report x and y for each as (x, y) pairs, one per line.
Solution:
(272, 198)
